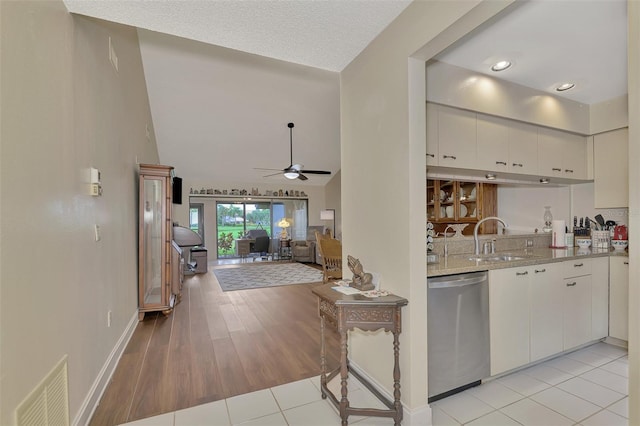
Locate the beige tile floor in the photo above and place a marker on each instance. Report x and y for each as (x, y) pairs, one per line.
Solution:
(587, 387)
(292, 404)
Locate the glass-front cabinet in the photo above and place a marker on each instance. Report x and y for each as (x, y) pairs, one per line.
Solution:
(451, 201)
(158, 285)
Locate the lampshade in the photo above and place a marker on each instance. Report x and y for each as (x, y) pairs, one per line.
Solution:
(327, 214)
(284, 223)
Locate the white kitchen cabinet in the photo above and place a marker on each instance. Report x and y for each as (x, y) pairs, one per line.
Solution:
(577, 311)
(509, 318)
(619, 297)
(546, 292)
(561, 154)
(523, 148)
(492, 143)
(611, 169)
(456, 138)
(432, 134)
(577, 267)
(599, 297)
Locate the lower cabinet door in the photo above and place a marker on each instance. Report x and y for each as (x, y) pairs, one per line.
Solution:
(619, 297)
(509, 318)
(547, 291)
(577, 311)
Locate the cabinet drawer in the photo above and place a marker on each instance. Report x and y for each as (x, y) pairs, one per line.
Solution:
(577, 267)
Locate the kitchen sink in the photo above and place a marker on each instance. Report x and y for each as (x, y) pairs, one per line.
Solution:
(496, 258)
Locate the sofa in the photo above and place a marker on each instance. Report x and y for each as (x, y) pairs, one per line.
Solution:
(305, 250)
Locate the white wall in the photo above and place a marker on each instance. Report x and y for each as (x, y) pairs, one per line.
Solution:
(64, 109)
(383, 178)
(450, 85)
(333, 192)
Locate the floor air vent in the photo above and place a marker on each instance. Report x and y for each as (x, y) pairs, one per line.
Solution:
(48, 403)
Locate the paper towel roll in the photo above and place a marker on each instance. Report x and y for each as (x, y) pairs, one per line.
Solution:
(557, 233)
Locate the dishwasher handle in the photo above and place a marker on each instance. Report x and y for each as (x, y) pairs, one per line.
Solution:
(458, 281)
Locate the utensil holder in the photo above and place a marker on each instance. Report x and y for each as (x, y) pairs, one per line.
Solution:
(600, 239)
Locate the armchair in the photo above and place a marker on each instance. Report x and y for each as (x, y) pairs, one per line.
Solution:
(305, 250)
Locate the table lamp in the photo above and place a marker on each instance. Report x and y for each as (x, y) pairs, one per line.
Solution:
(284, 224)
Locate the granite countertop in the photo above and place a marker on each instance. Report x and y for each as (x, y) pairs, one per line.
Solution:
(460, 263)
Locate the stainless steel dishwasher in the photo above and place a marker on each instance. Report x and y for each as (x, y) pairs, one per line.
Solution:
(458, 333)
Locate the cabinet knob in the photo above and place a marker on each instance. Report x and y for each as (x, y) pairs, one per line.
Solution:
(522, 273)
(431, 155)
(540, 270)
(516, 165)
(555, 169)
(568, 171)
(571, 284)
(504, 163)
(453, 157)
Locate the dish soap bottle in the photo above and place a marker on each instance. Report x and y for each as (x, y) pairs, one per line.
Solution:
(548, 219)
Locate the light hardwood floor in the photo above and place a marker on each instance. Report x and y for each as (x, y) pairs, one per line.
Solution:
(216, 345)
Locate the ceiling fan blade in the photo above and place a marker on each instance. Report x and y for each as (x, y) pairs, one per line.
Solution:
(316, 172)
(262, 168)
(273, 174)
(302, 177)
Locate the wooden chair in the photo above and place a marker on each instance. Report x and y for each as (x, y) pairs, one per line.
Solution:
(331, 252)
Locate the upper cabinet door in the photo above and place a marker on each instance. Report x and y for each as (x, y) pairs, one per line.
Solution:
(550, 152)
(456, 138)
(432, 134)
(562, 154)
(492, 143)
(611, 169)
(523, 148)
(574, 159)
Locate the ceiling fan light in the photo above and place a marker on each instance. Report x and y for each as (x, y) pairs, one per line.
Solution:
(291, 174)
(500, 66)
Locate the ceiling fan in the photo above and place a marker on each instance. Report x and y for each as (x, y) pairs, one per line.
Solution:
(295, 171)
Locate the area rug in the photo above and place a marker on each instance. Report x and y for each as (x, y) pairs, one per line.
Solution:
(242, 277)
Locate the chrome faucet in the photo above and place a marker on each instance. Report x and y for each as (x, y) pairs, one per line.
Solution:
(446, 247)
(475, 231)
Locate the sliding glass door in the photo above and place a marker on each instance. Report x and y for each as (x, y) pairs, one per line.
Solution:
(235, 219)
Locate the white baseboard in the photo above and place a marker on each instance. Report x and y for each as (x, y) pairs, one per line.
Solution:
(92, 399)
(419, 416)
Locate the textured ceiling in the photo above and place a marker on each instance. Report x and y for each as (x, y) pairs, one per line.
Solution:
(325, 34)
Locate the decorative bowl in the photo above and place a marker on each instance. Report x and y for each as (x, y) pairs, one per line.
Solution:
(619, 245)
(583, 242)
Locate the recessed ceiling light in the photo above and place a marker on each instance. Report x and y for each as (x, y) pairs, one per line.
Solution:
(500, 66)
(544, 181)
(565, 86)
(490, 176)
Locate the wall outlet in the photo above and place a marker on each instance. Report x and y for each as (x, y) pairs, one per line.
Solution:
(529, 243)
(108, 318)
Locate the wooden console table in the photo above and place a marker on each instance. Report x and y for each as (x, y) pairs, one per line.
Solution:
(357, 311)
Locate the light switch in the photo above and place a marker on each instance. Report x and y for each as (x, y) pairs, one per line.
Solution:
(97, 232)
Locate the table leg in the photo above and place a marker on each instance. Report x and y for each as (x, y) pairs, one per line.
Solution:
(323, 360)
(396, 379)
(344, 374)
